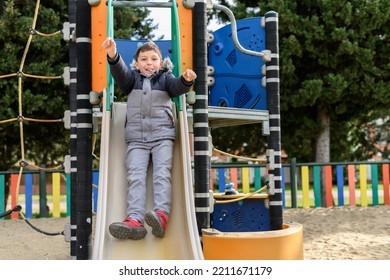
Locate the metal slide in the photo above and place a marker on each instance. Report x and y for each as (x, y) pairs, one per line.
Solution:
(181, 239)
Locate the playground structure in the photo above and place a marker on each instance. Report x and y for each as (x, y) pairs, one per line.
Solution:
(193, 203)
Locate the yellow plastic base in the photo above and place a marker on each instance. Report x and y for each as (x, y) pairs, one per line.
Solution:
(284, 244)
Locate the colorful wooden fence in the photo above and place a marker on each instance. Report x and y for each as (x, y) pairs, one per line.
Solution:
(246, 174)
(352, 184)
(58, 201)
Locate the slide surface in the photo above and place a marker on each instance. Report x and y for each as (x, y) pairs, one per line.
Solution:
(181, 241)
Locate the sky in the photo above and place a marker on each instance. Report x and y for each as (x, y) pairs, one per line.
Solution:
(162, 17)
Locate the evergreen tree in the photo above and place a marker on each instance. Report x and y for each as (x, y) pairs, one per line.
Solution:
(335, 74)
(38, 98)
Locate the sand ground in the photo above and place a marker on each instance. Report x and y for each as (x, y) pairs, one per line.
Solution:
(340, 233)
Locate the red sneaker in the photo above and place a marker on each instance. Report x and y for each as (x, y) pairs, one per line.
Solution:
(157, 220)
(128, 229)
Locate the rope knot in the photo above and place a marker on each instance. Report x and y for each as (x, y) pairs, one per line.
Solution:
(20, 119)
(23, 163)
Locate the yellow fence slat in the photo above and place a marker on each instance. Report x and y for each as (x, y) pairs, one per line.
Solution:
(245, 180)
(56, 180)
(363, 184)
(305, 187)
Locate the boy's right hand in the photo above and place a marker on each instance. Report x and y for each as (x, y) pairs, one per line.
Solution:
(109, 46)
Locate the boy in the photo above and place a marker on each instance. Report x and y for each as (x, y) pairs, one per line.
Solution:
(149, 134)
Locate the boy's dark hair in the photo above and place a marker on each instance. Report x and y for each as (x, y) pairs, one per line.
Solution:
(148, 46)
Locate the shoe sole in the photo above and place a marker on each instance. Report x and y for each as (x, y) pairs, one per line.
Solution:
(121, 231)
(153, 220)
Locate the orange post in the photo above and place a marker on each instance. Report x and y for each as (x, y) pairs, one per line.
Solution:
(185, 22)
(98, 34)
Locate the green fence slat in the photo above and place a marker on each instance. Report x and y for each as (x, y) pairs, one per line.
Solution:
(317, 186)
(374, 181)
(257, 178)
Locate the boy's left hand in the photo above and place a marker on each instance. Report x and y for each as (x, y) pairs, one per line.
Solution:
(189, 75)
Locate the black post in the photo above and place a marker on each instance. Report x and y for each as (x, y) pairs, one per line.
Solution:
(84, 130)
(200, 115)
(72, 10)
(273, 104)
(293, 174)
(42, 193)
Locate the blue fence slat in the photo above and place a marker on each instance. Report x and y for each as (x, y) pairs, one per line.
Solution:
(221, 179)
(28, 185)
(340, 184)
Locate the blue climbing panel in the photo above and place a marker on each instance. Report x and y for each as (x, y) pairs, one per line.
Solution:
(241, 216)
(238, 76)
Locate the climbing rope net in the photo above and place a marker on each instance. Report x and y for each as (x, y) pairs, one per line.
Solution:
(21, 118)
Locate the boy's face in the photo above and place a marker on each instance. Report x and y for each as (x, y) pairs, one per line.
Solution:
(148, 63)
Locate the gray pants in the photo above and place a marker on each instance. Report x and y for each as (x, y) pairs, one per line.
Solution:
(138, 156)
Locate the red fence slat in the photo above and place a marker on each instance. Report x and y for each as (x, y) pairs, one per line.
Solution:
(351, 184)
(328, 186)
(14, 195)
(385, 179)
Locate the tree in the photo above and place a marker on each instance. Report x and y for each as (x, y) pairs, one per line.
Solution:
(40, 98)
(335, 72)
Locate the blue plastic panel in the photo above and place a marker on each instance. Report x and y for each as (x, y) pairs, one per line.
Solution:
(237, 75)
(242, 216)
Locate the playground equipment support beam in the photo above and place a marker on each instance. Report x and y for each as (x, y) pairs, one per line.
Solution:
(200, 116)
(72, 9)
(84, 130)
(273, 104)
(142, 4)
